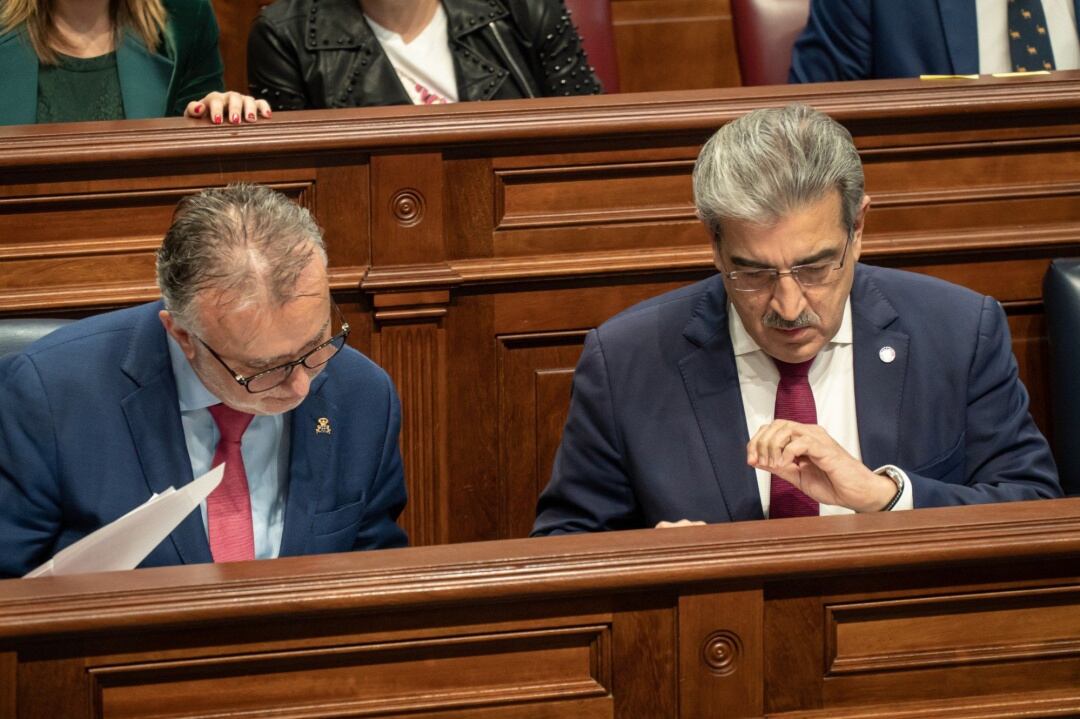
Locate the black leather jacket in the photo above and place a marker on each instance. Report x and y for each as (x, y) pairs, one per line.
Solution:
(322, 53)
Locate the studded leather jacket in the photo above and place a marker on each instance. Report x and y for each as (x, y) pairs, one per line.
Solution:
(322, 53)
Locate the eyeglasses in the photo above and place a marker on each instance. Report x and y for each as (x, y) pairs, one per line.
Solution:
(271, 378)
(818, 273)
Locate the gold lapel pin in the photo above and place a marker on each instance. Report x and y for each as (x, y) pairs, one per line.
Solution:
(323, 426)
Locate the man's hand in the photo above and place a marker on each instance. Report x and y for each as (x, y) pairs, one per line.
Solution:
(806, 456)
(680, 523)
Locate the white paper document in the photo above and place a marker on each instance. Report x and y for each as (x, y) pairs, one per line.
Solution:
(126, 542)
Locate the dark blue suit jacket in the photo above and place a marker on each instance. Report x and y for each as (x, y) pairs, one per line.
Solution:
(656, 429)
(864, 39)
(90, 427)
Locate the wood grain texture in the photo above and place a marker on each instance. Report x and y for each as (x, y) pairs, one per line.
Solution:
(459, 673)
(459, 233)
(720, 657)
(414, 355)
(634, 624)
(656, 39)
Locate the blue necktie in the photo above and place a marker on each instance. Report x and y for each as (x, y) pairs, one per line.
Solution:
(1029, 40)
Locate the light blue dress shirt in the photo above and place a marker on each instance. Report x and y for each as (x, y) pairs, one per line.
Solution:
(265, 448)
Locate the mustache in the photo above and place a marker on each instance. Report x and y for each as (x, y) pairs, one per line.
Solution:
(807, 318)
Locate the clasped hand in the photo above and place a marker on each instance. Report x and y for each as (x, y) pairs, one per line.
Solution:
(807, 457)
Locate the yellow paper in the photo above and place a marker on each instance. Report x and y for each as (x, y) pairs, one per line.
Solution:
(948, 77)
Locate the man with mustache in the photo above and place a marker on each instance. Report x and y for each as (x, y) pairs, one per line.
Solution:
(796, 381)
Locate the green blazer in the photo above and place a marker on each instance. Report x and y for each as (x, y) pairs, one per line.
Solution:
(187, 67)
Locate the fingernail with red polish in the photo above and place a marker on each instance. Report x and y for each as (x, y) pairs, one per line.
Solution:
(199, 109)
(234, 119)
(217, 119)
(251, 117)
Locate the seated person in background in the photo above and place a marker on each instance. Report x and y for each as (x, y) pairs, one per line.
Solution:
(796, 381)
(864, 39)
(71, 60)
(244, 362)
(359, 53)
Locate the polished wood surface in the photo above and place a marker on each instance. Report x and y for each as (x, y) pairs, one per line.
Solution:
(958, 612)
(472, 246)
(675, 44)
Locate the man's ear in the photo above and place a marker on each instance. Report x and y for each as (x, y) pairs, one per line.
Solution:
(184, 338)
(857, 230)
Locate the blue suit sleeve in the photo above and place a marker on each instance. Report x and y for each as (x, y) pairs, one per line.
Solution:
(387, 496)
(590, 489)
(30, 510)
(837, 43)
(1005, 457)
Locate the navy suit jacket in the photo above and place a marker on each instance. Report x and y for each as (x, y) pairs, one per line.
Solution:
(656, 429)
(864, 39)
(90, 428)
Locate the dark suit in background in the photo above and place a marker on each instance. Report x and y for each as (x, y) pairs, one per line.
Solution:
(864, 39)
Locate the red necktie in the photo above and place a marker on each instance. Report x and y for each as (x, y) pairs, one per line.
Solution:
(794, 401)
(228, 508)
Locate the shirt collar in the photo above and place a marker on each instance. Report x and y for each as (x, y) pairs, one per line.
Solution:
(742, 343)
(189, 388)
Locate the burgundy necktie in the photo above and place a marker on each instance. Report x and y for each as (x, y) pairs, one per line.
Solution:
(795, 402)
(228, 508)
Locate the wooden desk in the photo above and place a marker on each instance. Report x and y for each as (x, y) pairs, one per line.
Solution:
(472, 246)
(959, 612)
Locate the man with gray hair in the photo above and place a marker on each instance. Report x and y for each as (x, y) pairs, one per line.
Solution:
(244, 361)
(796, 381)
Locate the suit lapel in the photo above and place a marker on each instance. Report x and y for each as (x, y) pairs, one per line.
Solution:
(19, 79)
(880, 367)
(311, 454)
(958, 20)
(145, 78)
(153, 417)
(479, 76)
(712, 384)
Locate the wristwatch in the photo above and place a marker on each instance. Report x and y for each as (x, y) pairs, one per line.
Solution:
(897, 476)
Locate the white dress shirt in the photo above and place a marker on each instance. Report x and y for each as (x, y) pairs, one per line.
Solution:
(264, 447)
(832, 381)
(992, 19)
(425, 65)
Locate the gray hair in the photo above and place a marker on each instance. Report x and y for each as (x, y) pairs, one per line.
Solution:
(245, 239)
(770, 162)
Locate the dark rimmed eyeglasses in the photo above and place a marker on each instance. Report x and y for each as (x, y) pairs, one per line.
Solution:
(812, 275)
(275, 376)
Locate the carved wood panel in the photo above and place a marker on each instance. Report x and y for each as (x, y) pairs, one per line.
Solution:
(420, 677)
(966, 612)
(414, 355)
(452, 229)
(85, 239)
(535, 373)
(721, 654)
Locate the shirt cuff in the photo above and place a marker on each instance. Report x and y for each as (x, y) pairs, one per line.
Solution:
(907, 498)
